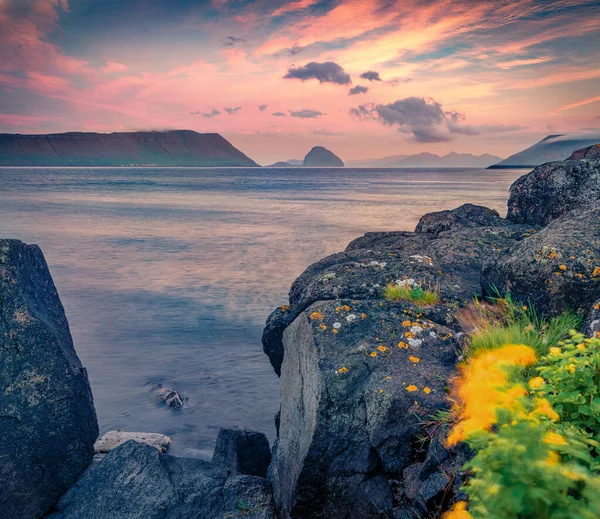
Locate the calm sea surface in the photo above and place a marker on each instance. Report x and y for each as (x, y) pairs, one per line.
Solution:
(167, 275)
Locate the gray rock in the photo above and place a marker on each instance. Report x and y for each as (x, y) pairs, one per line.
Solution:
(554, 270)
(591, 152)
(322, 157)
(591, 327)
(113, 439)
(348, 419)
(136, 481)
(467, 215)
(169, 397)
(553, 189)
(242, 451)
(47, 419)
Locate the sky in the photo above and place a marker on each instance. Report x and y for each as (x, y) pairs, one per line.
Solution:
(364, 78)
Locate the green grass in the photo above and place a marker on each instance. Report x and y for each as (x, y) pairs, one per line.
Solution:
(511, 323)
(416, 294)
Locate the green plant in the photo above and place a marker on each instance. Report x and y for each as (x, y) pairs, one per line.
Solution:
(413, 293)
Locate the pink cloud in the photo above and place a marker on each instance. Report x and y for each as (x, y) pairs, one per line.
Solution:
(112, 67)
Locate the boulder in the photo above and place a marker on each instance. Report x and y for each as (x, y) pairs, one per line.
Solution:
(169, 397)
(591, 152)
(467, 215)
(358, 378)
(136, 481)
(555, 269)
(555, 188)
(242, 451)
(48, 423)
(113, 439)
(591, 327)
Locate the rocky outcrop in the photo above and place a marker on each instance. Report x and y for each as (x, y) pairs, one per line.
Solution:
(113, 439)
(553, 189)
(242, 451)
(322, 157)
(154, 148)
(467, 215)
(136, 481)
(591, 327)
(589, 153)
(357, 379)
(48, 423)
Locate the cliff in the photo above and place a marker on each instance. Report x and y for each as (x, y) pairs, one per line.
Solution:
(167, 148)
(322, 157)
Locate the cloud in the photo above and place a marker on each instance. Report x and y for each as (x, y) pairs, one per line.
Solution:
(208, 115)
(424, 118)
(296, 5)
(577, 104)
(232, 41)
(326, 133)
(328, 72)
(112, 66)
(296, 49)
(358, 89)
(397, 80)
(262, 108)
(371, 75)
(232, 110)
(306, 113)
(279, 114)
(500, 128)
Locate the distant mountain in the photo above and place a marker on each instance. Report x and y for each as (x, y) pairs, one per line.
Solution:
(429, 160)
(551, 148)
(292, 163)
(322, 157)
(153, 148)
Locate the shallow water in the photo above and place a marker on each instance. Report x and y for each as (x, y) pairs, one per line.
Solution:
(168, 274)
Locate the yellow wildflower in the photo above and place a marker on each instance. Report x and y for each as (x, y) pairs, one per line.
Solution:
(342, 370)
(525, 308)
(536, 382)
(553, 438)
(414, 359)
(459, 511)
(570, 368)
(581, 346)
(553, 458)
(555, 351)
(544, 408)
(411, 388)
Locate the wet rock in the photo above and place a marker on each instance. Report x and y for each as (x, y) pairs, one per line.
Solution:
(242, 451)
(47, 419)
(354, 393)
(467, 215)
(553, 189)
(554, 270)
(591, 327)
(169, 397)
(113, 439)
(136, 481)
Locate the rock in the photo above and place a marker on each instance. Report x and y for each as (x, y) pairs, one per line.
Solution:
(354, 394)
(242, 451)
(553, 189)
(591, 152)
(591, 327)
(169, 397)
(554, 270)
(322, 157)
(48, 423)
(467, 215)
(272, 334)
(136, 481)
(113, 439)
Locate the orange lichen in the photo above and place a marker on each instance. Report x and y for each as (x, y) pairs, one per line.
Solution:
(373, 354)
(414, 359)
(562, 267)
(411, 388)
(402, 345)
(342, 370)
(426, 390)
(317, 315)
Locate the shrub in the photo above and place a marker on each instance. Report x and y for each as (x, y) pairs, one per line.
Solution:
(413, 293)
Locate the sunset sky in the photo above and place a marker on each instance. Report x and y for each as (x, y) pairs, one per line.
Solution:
(365, 78)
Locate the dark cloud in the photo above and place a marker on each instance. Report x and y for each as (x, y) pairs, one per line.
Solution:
(500, 128)
(292, 51)
(424, 118)
(262, 108)
(205, 114)
(279, 114)
(306, 113)
(328, 72)
(371, 75)
(232, 41)
(397, 80)
(231, 110)
(358, 89)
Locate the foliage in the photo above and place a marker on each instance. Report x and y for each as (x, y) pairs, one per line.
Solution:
(414, 293)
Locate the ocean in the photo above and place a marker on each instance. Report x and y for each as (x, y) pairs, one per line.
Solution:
(168, 274)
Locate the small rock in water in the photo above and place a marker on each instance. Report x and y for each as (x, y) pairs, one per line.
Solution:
(170, 397)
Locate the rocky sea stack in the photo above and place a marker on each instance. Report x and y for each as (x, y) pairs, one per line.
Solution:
(322, 157)
(362, 374)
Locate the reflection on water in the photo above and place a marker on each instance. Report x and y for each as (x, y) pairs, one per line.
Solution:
(167, 275)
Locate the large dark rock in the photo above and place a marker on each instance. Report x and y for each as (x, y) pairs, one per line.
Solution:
(322, 157)
(553, 189)
(467, 215)
(136, 481)
(242, 451)
(48, 424)
(555, 269)
(358, 378)
(591, 327)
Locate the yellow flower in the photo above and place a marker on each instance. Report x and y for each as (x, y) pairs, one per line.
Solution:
(553, 458)
(411, 388)
(536, 382)
(553, 438)
(544, 408)
(373, 354)
(562, 267)
(414, 359)
(381, 348)
(581, 346)
(426, 390)
(555, 351)
(459, 511)
(343, 370)
(524, 308)
(570, 368)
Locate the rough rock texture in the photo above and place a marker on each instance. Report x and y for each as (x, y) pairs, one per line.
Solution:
(555, 269)
(357, 379)
(553, 189)
(47, 419)
(113, 439)
(451, 259)
(591, 327)
(242, 451)
(135, 481)
(169, 397)
(322, 157)
(591, 152)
